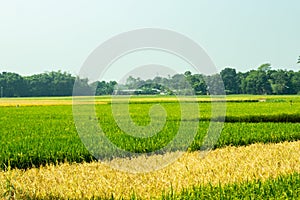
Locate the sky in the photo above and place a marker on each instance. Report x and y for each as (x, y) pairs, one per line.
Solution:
(38, 36)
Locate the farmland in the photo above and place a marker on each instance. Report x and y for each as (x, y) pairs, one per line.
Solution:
(39, 137)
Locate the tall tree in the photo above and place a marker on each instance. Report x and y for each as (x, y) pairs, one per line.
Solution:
(231, 80)
(280, 82)
(263, 85)
(265, 67)
(295, 82)
(50, 84)
(215, 84)
(257, 81)
(197, 82)
(12, 84)
(103, 87)
(249, 82)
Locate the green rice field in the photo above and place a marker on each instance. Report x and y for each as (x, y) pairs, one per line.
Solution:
(36, 132)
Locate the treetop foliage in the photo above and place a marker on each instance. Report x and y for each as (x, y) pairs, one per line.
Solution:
(263, 80)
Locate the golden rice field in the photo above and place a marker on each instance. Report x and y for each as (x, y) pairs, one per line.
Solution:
(48, 101)
(39, 101)
(86, 180)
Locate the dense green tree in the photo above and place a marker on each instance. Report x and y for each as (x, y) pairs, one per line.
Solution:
(231, 80)
(134, 83)
(104, 88)
(50, 84)
(249, 83)
(263, 80)
(62, 83)
(265, 67)
(295, 82)
(257, 81)
(281, 82)
(83, 88)
(197, 82)
(242, 83)
(179, 82)
(12, 84)
(215, 84)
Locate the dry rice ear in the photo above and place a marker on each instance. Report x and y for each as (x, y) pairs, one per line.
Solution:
(225, 165)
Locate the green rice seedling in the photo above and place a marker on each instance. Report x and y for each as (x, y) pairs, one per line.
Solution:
(38, 135)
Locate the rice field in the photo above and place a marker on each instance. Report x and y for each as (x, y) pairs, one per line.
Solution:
(223, 166)
(42, 156)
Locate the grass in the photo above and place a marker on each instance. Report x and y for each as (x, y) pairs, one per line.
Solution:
(282, 187)
(32, 136)
(32, 101)
(242, 134)
(39, 135)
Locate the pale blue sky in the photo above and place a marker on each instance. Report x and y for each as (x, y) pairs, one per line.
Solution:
(38, 36)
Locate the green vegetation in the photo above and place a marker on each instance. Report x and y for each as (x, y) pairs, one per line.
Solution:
(33, 136)
(283, 187)
(49, 84)
(263, 80)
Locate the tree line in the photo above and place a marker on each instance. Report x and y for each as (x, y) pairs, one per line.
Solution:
(263, 80)
(49, 84)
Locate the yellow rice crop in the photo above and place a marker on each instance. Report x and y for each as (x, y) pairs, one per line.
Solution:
(230, 164)
(46, 101)
(40, 102)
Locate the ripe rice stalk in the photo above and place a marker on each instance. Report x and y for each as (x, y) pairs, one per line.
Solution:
(221, 166)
